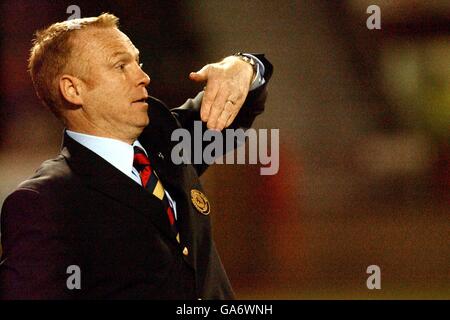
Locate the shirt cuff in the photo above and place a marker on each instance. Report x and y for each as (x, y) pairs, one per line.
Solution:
(259, 78)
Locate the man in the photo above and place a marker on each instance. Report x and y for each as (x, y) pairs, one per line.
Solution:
(112, 217)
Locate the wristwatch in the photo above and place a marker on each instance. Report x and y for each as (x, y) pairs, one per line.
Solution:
(247, 59)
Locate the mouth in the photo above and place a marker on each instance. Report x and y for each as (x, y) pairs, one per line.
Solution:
(142, 100)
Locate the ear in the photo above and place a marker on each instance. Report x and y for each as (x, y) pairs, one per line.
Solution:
(71, 88)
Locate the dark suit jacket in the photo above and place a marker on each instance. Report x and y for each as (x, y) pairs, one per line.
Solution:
(79, 210)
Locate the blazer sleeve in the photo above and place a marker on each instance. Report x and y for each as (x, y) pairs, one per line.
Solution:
(253, 106)
(34, 259)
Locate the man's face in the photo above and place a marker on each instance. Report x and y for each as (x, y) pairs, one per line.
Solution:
(115, 87)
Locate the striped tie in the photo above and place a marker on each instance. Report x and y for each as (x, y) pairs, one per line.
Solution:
(151, 182)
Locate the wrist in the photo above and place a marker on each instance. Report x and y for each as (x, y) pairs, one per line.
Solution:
(249, 60)
(245, 65)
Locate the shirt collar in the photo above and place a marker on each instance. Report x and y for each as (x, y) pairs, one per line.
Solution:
(118, 153)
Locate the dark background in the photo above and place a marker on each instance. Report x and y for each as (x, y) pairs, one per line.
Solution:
(364, 135)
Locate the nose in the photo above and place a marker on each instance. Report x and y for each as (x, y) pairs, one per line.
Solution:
(144, 79)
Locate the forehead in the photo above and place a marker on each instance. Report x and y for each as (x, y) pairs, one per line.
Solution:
(105, 42)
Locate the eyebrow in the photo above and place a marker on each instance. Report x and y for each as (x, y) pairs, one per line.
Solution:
(124, 53)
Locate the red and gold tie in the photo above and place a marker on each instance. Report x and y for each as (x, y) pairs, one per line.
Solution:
(151, 182)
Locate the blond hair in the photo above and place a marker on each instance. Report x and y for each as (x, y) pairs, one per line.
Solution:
(52, 55)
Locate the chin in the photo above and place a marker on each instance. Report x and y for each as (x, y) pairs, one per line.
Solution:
(147, 119)
(144, 121)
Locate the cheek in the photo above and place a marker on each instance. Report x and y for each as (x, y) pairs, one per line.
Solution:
(110, 97)
(107, 94)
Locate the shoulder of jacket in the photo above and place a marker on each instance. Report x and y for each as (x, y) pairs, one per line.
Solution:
(52, 174)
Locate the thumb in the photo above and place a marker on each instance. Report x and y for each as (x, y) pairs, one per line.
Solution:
(201, 75)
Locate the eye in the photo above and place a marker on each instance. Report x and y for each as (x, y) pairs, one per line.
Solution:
(120, 66)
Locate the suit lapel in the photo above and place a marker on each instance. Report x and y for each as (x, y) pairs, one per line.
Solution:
(100, 175)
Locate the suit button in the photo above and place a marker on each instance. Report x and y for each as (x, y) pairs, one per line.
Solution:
(185, 251)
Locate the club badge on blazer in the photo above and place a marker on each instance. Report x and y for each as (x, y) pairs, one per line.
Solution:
(200, 201)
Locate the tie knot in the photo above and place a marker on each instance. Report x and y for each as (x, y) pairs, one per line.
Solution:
(140, 159)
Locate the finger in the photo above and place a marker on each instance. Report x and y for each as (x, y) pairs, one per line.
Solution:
(230, 119)
(208, 98)
(232, 104)
(201, 75)
(237, 106)
(224, 117)
(217, 108)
